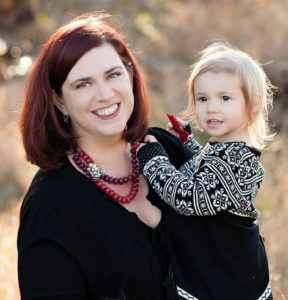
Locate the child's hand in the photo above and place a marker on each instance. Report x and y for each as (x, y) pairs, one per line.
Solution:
(175, 126)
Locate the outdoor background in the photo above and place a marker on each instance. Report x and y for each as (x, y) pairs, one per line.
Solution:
(166, 35)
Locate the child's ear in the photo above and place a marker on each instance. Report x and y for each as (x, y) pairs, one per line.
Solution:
(58, 102)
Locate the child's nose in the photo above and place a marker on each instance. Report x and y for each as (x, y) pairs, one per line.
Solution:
(212, 106)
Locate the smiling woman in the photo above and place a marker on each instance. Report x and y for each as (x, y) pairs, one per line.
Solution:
(85, 234)
(97, 95)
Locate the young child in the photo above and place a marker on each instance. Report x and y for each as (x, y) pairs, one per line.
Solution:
(217, 251)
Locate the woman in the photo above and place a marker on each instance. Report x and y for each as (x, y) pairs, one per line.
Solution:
(89, 231)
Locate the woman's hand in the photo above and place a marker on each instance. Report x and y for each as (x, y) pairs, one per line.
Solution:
(147, 139)
(150, 139)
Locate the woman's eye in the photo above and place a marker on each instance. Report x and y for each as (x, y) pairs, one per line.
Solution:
(225, 98)
(202, 99)
(83, 85)
(114, 74)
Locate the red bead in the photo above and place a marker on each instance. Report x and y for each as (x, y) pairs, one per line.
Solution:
(82, 160)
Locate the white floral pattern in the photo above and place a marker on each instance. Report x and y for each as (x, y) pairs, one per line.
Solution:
(219, 177)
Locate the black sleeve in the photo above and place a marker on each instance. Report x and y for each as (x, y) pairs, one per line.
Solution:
(46, 268)
(177, 152)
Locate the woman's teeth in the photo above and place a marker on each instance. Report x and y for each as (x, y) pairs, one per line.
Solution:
(107, 110)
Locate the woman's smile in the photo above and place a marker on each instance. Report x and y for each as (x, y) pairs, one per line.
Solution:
(107, 112)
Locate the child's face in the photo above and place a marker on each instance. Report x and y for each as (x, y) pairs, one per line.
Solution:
(220, 106)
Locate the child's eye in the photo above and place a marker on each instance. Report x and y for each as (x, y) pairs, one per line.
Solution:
(202, 99)
(225, 98)
(83, 85)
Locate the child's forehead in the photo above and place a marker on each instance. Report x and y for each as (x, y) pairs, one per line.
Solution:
(216, 74)
(217, 82)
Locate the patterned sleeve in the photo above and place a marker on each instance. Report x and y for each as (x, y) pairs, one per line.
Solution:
(193, 145)
(188, 167)
(228, 178)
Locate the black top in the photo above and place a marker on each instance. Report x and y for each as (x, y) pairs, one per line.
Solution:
(75, 242)
(215, 247)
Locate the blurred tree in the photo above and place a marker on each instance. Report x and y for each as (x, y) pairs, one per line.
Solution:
(14, 13)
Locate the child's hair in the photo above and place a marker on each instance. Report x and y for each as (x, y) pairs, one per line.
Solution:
(256, 87)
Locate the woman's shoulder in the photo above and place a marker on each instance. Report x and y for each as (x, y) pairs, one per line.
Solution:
(56, 190)
(48, 183)
(178, 152)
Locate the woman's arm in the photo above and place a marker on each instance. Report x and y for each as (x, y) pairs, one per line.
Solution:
(220, 183)
(46, 271)
(46, 267)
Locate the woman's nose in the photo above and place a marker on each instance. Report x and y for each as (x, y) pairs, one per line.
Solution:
(103, 91)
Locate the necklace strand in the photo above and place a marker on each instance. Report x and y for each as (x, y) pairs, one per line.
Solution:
(85, 163)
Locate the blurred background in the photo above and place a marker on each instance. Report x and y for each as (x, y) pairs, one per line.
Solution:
(165, 35)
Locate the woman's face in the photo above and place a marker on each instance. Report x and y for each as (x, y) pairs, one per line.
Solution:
(97, 94)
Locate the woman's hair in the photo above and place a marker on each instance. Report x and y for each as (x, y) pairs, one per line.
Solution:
(46, 137)
(256, 87)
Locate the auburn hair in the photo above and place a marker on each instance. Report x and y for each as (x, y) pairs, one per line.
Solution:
(46, 138)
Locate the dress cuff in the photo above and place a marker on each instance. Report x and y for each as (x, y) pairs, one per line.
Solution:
(149, 151)
(187, 127)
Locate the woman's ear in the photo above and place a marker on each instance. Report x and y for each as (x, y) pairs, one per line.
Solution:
(58, 102)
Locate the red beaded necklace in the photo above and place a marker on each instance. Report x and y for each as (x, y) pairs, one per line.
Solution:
(97, 175)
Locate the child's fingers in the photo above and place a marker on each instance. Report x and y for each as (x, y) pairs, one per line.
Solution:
(150, 139)
(174, 121)
(182, 122)
(172, 131)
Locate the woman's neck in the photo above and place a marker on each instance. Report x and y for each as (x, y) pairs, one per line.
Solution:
(113, 155)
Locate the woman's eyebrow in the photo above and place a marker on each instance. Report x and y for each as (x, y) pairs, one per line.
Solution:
(89, 78)
(81, 79)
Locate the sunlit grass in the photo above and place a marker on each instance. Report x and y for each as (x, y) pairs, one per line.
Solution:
(8, 256)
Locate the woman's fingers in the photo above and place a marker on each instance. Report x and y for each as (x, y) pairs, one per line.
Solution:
(150, 139)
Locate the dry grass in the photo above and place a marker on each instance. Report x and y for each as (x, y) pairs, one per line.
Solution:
(8, 256)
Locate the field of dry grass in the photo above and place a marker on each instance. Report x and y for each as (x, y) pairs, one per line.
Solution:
(8, 256)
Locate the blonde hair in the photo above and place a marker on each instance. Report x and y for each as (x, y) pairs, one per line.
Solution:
(256, 87)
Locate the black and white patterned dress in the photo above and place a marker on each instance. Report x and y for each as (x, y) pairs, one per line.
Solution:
(221, 178)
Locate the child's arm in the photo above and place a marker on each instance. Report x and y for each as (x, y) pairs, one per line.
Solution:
(227, 179)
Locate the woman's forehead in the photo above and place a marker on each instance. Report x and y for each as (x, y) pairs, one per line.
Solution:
(95, 62)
